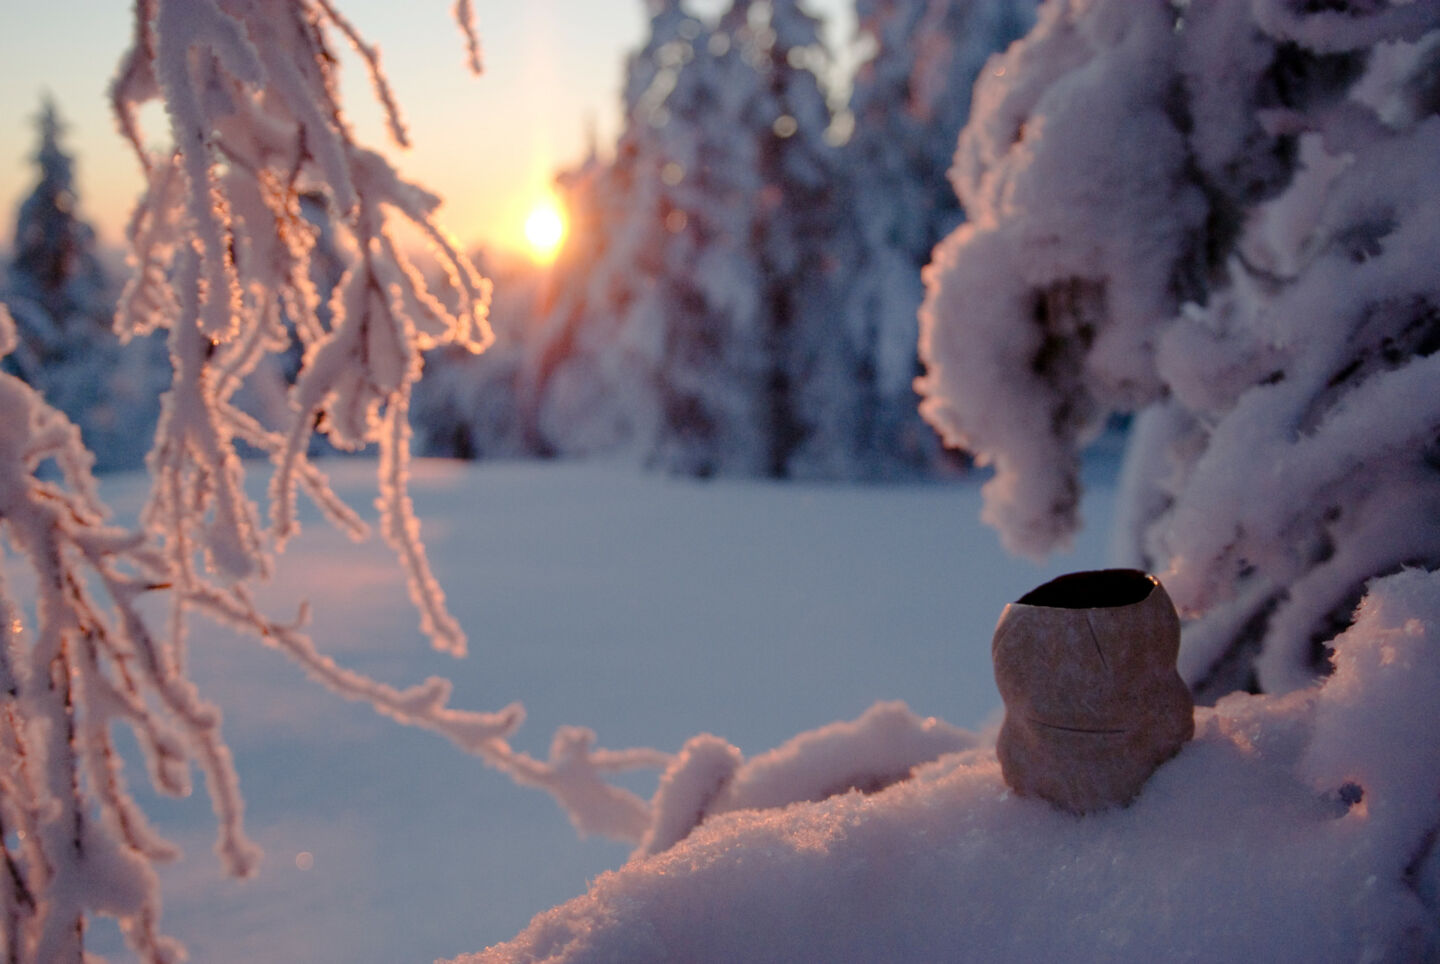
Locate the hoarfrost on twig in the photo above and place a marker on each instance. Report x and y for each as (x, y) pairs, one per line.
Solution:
(222, 259)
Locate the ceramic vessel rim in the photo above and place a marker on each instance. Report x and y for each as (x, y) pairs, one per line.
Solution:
(1134, 578)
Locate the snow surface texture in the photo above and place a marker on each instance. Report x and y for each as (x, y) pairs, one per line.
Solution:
(1291, 828)
(650, 609)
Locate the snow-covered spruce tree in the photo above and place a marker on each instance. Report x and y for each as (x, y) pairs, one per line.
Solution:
(63, 303)
(782, 109)
(55, 264)
(565, 404)
(1221, 215)
(701, 308)
(737, 302)
(911, 97)
(220, 248)
(676, 332)
(589, 382)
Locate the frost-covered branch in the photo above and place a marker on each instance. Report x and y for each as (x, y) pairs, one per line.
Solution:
(71, 666)
(255, 121)
(1219, 215)
(228, 263)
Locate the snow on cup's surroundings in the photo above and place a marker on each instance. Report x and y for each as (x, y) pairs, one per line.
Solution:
(1251, 844)
(653, 609)
(650, 609)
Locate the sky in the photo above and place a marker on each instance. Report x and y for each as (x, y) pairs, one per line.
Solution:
(489, 145)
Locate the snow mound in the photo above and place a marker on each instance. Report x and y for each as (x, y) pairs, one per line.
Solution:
(1295, 827)
(879, 749)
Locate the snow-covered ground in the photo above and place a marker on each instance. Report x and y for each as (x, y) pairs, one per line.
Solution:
(647, 608)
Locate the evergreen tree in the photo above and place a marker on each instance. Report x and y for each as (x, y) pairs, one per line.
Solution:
(734, 290)
(62, 302)
(590, 383)
(794, 210)
(657, 340)
(55, 264)
(910, 99)
(1223, 220)
(703, 311)
(739, 296)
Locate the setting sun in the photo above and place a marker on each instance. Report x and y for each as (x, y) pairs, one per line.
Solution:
(545, 229)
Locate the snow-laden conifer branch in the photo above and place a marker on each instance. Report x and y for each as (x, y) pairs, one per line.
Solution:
(1221, 216)
(74, 664)
(226, 262)
(573, 774)
(371, 55)
(1346, 27)
(464, 14)
(255, 118)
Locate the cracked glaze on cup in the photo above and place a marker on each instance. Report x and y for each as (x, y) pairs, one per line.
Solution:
(1093, 704)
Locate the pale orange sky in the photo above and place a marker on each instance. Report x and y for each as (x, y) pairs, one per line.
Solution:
(490, 145)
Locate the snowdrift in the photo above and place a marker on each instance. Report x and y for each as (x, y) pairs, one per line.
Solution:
(1298, 827)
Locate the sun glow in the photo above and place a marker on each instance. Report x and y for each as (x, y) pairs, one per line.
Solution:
(545, 229)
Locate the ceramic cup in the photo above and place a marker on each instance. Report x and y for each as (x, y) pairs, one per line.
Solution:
(1093, 704)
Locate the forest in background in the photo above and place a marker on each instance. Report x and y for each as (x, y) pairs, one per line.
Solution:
(736, 295)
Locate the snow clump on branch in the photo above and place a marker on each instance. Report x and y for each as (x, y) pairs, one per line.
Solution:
(1217, 215)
